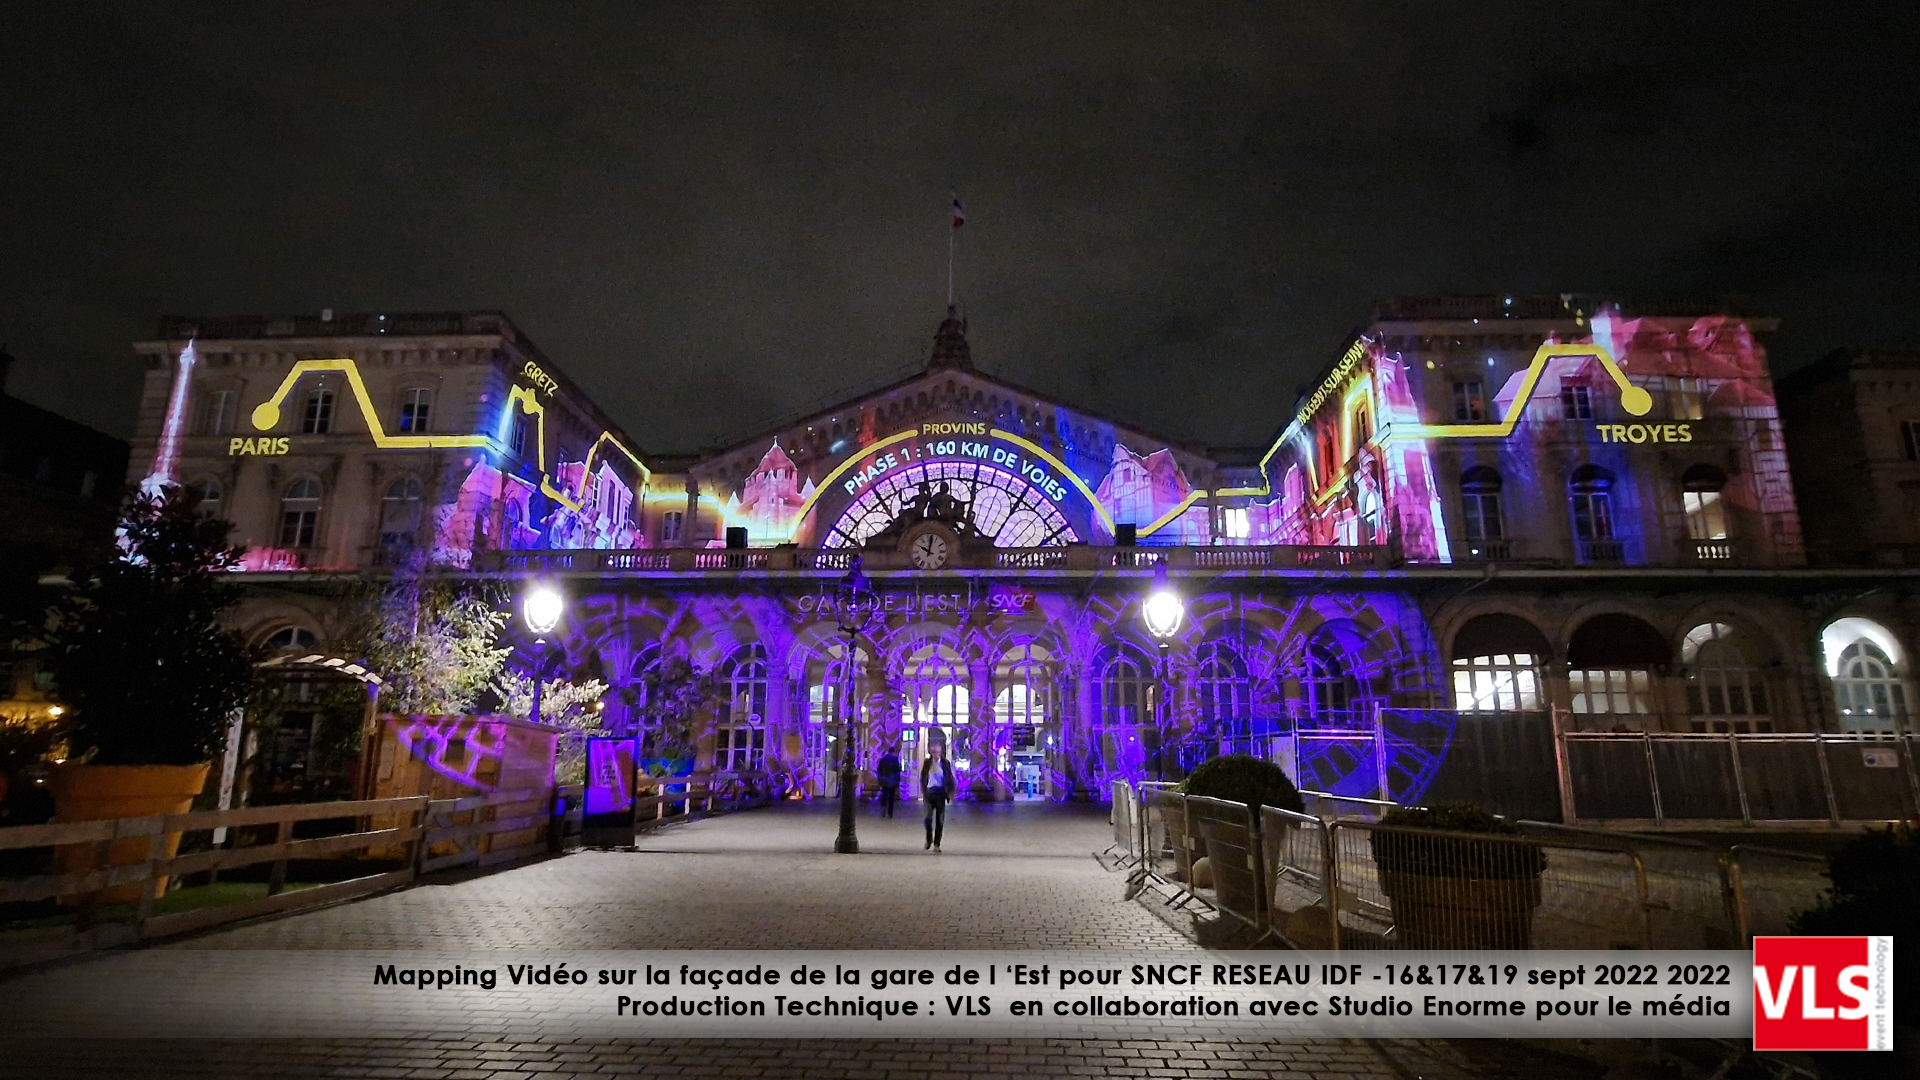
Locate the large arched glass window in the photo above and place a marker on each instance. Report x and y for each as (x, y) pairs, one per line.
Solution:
(740, 743)
(1480, 506)
(299, 513)
(1868, 666)
(936, 706)
(1327, 686)
(1496, 665)
(1223, 692)
(1592, 493)
(290, 637)
(1611, 661)
(400, 513)
(1022, 714)
(1870, 693)
(1124, 693)
(1725, 691)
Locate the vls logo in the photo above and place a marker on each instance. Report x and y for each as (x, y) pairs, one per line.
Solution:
(1823, 993)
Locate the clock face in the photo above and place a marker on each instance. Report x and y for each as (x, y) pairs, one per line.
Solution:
(928, 551)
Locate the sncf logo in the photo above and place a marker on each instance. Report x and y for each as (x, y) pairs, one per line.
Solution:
(1823, 993)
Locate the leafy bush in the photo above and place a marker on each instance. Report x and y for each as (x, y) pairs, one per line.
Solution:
(1243, 778)
(1452, 856)
(1875, 878)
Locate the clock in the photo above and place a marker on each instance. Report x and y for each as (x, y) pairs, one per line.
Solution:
(929, 550)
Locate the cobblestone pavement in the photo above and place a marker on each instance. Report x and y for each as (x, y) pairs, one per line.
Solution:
(1009, 877)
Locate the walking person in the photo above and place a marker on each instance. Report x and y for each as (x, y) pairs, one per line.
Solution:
(936, 786)
(889, 773)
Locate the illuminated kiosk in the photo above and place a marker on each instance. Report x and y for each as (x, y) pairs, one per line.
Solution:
(1500, 539)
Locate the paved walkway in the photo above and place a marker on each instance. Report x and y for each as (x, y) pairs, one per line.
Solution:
(1010, 877)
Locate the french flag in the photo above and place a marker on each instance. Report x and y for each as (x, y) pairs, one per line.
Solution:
(959, 215)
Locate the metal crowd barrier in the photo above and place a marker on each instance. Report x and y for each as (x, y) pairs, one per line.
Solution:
(1316, 883)
(1767, 887)
(1125, 848)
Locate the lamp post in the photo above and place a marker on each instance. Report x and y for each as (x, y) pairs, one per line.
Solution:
(541, 609)
(1163, 612)
(853, 605)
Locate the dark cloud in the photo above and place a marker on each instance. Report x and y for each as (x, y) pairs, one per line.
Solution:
(713, 213)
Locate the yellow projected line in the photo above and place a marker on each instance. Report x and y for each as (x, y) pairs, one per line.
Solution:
(266, 416)
(1634, 399)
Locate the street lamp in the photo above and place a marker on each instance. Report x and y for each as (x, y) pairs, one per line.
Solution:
(541, 610)
(853, 605)
(1163, 612)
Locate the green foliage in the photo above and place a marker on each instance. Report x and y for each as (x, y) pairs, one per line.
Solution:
(433, 642)
(1452, 856)
(1243, 778)
(562, 703)
(673, 695)
(136, 646)
(1875, 878)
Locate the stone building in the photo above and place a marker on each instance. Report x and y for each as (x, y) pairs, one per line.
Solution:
(1542, 552)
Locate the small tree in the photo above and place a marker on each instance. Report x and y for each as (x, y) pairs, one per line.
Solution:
(433, 642)
(562, 703)
(673, 694)
(137, 649)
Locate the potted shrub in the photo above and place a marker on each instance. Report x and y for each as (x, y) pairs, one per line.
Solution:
(1241, 778)
(1455, 878)
(151, 677)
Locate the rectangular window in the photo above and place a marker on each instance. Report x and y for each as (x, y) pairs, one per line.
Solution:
(296, 528)
(1576, 401)
(671, 523)
(1684, 397)
(319, 416)
(740, 749)
(1910, 438)
(1237, 523)
(518, 440)
(1610, 692)
(415, 405)
(220, 408)
(1592, 516)
(1469, 405)
(1706, 515)
(1482, 516)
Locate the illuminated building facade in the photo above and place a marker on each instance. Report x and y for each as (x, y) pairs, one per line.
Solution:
(1491, 521)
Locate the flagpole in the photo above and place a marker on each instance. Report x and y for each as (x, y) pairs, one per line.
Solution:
(950, 234)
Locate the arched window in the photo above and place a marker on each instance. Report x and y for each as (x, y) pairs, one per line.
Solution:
(290, 637)
(206, 494)
(1480, 505)
(1610, 665)
(1327, 686)
(1592, 488)
(1496, 665)
(740, 743)
(1868, 666)
(1125, 696)
(299, 513)
(1700, 488)
(935, 707)
(1022, 709)
(400, 513)
(1224, 692)
(1725, 691)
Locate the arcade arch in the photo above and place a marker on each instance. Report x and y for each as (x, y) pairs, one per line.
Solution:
(1871, 682)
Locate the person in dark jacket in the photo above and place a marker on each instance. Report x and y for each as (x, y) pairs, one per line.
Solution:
(937, 785)
(889, 773)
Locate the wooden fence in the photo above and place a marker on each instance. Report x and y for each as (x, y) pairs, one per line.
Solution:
(397, 839)
(682, 798)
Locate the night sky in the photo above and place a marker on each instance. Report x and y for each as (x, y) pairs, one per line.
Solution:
(711, 214)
